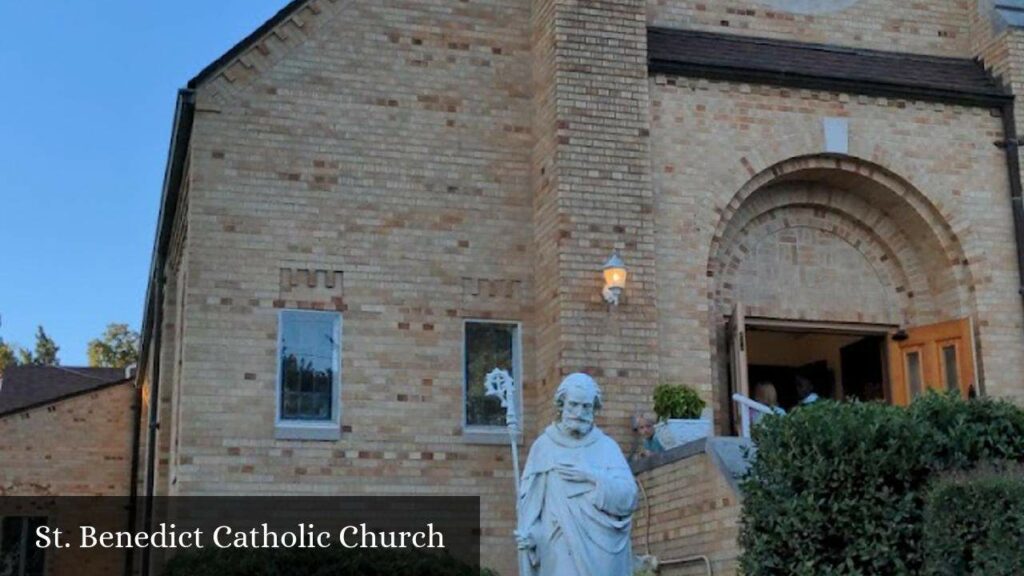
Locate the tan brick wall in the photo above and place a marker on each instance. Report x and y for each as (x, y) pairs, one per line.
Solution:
(388, 146)
(928, 209)
(688, 509)
(940, 27)
(791, 267)
(75, 447)
(592, 195)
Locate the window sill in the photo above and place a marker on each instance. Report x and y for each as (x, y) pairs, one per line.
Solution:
(326, 432)
(489, 437)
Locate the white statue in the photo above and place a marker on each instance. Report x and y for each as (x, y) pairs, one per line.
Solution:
(577, 494)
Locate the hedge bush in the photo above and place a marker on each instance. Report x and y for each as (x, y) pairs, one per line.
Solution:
(840, 488)
(317, 562)
(974, 524)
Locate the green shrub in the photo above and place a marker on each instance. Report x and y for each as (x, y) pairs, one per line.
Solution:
(840, 488)
(317, 562)
(676, 401)
(974, 524)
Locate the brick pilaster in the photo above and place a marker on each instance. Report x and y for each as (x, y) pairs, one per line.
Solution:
(593, 194)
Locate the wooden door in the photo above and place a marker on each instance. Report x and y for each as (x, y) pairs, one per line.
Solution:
(935, 357)
(739, 380)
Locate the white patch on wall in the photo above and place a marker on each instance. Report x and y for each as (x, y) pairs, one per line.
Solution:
(837, 135)
(810, 6)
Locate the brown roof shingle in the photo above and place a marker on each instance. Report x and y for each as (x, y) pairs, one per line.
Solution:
(23, 387)
(820, 66)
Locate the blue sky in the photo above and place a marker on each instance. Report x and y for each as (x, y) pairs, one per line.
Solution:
(86, 100)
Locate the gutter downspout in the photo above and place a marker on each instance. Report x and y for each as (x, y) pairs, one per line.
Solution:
(129, 557)
(154, 419)
(1011, 145)
(152, 321)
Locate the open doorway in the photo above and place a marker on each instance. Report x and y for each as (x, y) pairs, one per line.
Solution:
(843, 361)
(838, 365)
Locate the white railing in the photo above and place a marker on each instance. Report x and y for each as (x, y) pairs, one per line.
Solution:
(749, 409)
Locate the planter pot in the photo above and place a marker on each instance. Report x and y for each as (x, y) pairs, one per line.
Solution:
(678, 432)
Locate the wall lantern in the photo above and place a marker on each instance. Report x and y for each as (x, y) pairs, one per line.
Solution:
(614, 279)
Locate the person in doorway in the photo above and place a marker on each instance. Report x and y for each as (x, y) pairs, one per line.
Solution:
(805, 391)
(646, 442)
(765, 393)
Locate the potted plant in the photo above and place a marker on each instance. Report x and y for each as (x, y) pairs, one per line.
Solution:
(679, 409)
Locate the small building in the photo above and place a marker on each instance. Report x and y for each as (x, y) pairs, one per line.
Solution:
(64, 431)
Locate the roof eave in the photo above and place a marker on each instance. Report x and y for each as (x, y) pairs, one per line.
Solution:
(181, 136)
(64, 397)
(235, 51)
(809, 82)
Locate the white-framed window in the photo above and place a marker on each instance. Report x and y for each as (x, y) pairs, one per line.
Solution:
(308, 375)
(18, 554)
(489, 344)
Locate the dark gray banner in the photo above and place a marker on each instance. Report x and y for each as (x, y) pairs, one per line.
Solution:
(250, 536)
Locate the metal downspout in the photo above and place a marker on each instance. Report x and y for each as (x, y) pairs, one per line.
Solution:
(154, 419)
(1011, 145)
(152, 322)
(133, 489)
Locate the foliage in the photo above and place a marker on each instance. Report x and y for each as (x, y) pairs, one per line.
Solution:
(8, 355)
(116, 348)
(317, 562)
(46, 351)
(25, 357)
(840, 488)
(677, 401)
(975, 524)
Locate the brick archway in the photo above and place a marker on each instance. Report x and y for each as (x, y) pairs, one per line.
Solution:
(837, 239)
(906, 246)
(811, 261)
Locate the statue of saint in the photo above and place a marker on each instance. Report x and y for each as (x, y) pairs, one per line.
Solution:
(577, 494)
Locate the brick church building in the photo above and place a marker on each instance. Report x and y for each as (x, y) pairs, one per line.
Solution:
(369, 204)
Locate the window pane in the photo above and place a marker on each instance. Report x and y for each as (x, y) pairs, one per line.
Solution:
(952, 369)
(308, 357)
(322, 383)
(289, 403)
(307, 406)
(488, 346)
(35, 557)
(307, 377)
(10, 543)
(914, 373)
(18, 553)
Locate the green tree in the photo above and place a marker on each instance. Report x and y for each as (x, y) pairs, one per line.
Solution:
(25, 357)
(46, 350)
(117, 348)
(8, 355)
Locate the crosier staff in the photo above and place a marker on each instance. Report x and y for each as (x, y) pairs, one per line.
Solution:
(499, 383)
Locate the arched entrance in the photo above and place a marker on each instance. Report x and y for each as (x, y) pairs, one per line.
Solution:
(827, 257)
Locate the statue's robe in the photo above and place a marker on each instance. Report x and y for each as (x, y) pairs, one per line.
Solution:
(580, 529)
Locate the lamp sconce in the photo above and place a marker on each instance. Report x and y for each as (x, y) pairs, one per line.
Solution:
(614, 279)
